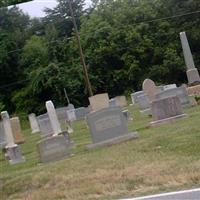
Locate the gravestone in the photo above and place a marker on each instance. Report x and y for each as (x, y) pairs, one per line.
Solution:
(58, 145)
(134, 96)
(121, 101)
(33, 123)
(53, 149)
(71, 115)
(149, 89)
(81, 113)
(194, 90)
(170, 86)
(181, 92)
(166, 110)
(144, 103)
(99, 101)
(2, 136)
(53, 118)
(16, 130)
(62, 113)
(13, 152)
(192, 72)
(159, 88)
(112, 102)
(108, 126)
(45, 125)
(127, 115)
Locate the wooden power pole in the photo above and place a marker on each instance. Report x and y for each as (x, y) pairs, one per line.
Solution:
(85, 72)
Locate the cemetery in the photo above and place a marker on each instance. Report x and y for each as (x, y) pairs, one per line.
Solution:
(102, 132)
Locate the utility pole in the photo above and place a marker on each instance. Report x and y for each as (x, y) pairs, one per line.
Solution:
(85, 72)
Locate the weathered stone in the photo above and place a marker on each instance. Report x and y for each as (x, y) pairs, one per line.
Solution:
(170, 86)
(71, 115)
(194, 90)
(193, 76)
(81, 113)
(45, 125)
(113, 102)
(14, 155)
(13, 152)
(16, 130)
(166, 110)
(53, 148)
(2, 136)
(99, 101)
(192, 72)
(134, 96)
(108, 126)
(53, 118)
(150, 89)
(144, 103)
(181, 92)
(121, 101)
(33, 123)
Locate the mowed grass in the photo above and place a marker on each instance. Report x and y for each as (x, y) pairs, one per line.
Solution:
(163, 158)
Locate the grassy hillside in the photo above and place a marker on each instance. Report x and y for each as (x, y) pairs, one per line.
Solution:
(163, 158)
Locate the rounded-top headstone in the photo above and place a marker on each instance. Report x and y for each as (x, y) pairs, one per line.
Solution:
(8, 130)
(53, 118)
(149, 89)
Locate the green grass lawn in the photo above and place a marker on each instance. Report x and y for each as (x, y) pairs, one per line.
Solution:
(163, 158)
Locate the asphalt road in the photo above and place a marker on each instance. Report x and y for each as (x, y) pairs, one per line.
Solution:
(193, 194)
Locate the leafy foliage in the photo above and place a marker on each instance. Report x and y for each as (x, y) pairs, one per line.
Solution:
(124, 42)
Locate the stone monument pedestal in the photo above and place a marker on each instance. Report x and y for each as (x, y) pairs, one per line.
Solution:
(166, 110)
(14, 155)
(193, 77)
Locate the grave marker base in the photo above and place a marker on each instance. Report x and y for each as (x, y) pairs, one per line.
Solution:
(116, 140)
(167, 120)
(54, 148)
(13, 154)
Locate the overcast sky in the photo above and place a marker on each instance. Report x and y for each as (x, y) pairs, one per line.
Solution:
(35, 8)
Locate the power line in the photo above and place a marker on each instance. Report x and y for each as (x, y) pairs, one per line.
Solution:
(14, 83)
(145, 21)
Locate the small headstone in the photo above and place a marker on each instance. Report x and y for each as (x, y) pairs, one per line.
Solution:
(181, 92)
(13, 151)
(81, 113)
(194, 90)
(2, 136)
(16, 130)
(58, 145)
(99, 101)
(53, 118)
(144, 103)
(134, 96)
(33, 123)
(168, 87)
(108, 126)
(166, 110)
(192, 72)
(71, 115)
(53, 149)
(121, 101)
(45, 125)
(149, 89)
(70, 107)
(113, 102)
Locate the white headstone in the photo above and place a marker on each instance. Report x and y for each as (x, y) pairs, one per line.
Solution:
(33, 123)
(53, 118)
(8, 129)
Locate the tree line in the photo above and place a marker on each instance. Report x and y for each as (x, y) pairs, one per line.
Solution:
(124, 42)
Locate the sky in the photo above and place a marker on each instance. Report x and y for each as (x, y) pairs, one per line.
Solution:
(35, 8)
